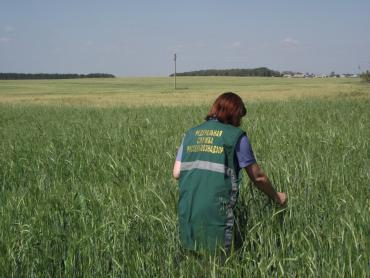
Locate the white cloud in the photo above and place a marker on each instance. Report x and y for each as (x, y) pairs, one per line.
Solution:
(290, 41)
(4, 40)
(236, 44)
(89, 43)
(9, 29)
(175, 48)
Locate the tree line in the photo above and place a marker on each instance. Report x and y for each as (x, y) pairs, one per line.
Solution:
(366, 76)
(18, 76)
(263, 71)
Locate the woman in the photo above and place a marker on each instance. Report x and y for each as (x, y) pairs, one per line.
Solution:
(207, 165)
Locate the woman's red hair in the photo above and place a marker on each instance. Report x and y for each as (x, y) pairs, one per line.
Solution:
(228, 109)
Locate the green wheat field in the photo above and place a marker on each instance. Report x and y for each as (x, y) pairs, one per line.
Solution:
(86, 187)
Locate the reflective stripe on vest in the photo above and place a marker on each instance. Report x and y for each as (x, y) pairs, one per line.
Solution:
(205, 165)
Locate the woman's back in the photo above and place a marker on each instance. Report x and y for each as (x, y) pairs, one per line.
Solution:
(208, 185)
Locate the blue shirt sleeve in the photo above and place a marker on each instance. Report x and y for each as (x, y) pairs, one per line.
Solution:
(244, 152)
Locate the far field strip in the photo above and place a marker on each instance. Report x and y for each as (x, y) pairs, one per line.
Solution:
(159, 91)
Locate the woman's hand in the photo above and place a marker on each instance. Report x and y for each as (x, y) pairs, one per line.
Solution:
(282, 199)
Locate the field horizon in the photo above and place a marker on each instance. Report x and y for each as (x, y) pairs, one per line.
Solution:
(153, 91)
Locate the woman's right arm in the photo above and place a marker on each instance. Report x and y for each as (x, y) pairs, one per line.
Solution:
(262, 182)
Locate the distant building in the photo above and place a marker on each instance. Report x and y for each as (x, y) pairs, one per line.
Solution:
(291, 74)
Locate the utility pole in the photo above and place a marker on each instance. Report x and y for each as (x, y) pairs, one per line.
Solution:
(174, 59)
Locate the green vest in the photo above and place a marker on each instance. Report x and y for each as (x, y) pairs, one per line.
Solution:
(208, 186)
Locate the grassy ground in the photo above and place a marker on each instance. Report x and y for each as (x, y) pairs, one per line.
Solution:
(159, 91)
(87, 191)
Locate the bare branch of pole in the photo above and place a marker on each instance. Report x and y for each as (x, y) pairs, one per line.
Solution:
(174, 59)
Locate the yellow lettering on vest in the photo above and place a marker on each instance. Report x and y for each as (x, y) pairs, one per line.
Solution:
(208, 132)
(205, 148)
(204, 140)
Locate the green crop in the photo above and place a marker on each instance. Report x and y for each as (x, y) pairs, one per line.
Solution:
(89, 192)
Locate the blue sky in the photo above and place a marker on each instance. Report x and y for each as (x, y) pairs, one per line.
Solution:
(138, 38)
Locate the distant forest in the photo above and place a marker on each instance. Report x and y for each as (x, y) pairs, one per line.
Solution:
(231, 72)
(18, 76)
(366, 76)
